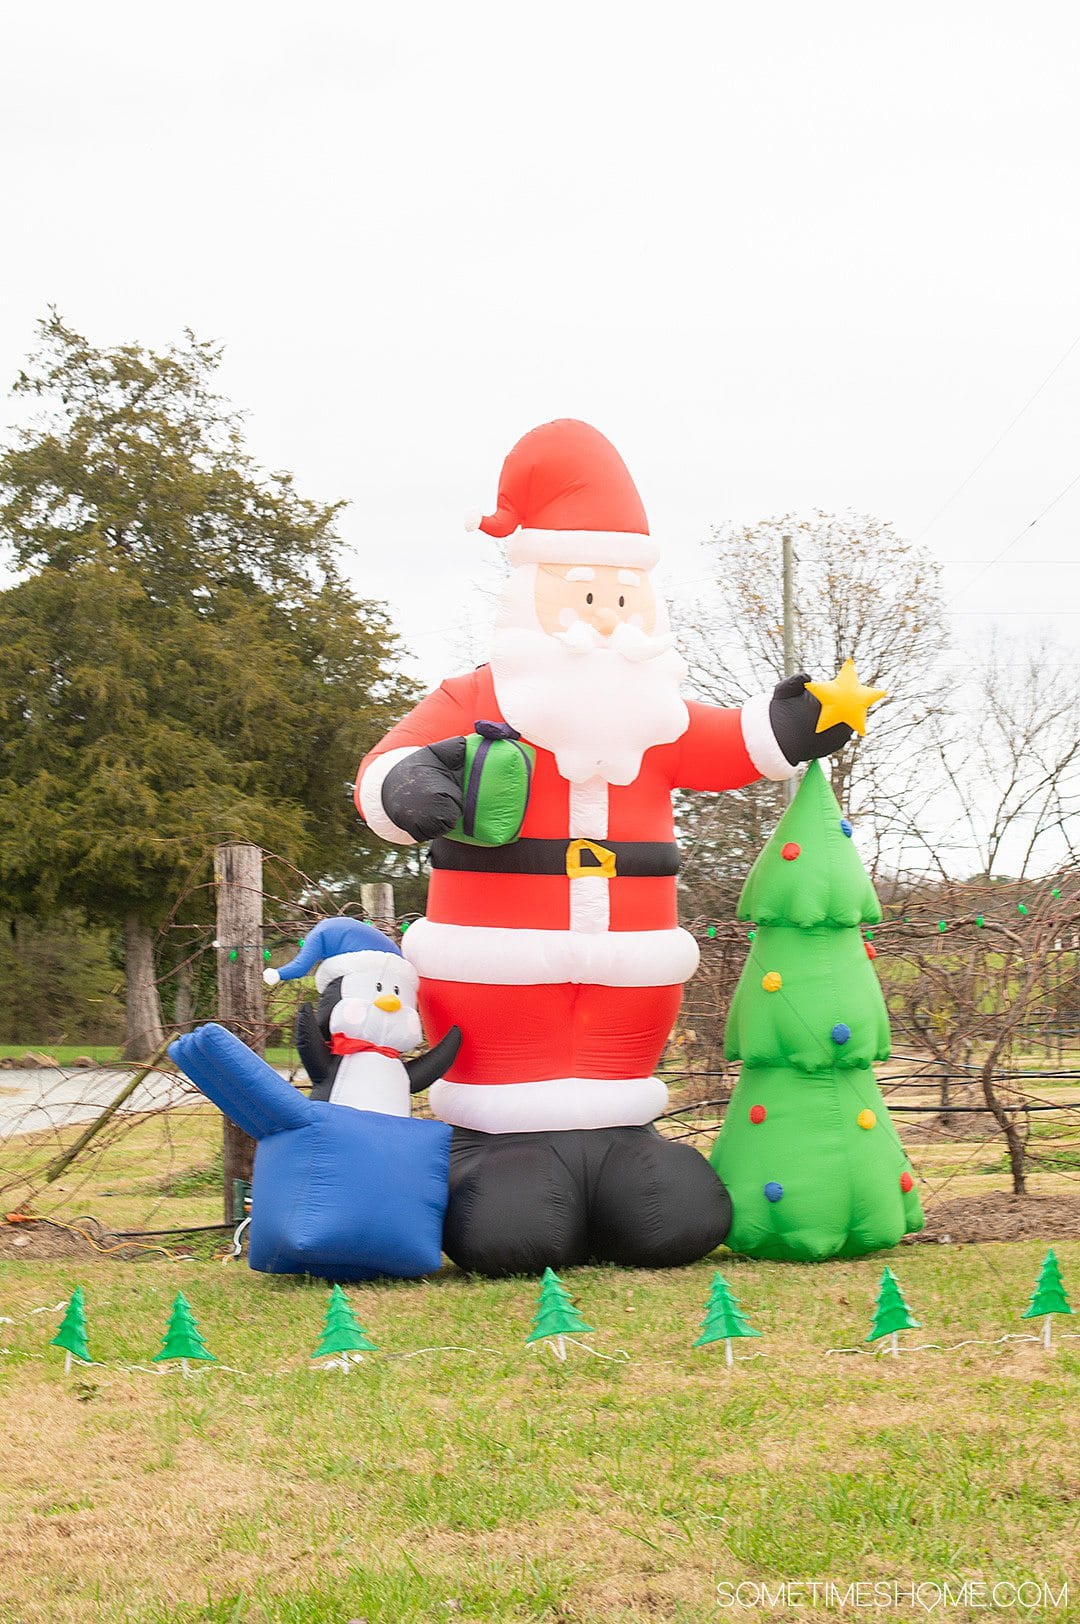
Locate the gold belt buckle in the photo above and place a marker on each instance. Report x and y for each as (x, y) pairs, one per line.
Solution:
(603, 868)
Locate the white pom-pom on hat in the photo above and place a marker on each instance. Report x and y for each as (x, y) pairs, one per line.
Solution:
(271, 976)
(472, 518)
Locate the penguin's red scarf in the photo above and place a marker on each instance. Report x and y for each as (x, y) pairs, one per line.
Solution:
(340, 1044)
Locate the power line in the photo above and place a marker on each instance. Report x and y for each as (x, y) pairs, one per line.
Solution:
(1009, 545)
(1006, 431)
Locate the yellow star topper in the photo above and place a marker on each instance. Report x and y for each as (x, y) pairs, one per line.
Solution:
(844, 699)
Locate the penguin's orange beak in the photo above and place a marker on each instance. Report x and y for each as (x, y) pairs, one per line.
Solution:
(389, 1003)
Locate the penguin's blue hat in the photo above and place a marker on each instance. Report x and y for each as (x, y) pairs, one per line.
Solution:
(330, 940)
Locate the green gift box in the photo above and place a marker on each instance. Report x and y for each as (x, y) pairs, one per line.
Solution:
(498, 776)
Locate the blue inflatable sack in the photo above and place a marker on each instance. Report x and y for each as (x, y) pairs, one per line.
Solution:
(338, 1193)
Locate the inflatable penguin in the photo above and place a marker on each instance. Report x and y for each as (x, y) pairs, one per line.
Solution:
(366, 1019)
(346, 1184)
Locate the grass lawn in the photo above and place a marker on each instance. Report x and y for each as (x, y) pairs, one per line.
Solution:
(108, 1054)
(455, 1475)
(475, 1480)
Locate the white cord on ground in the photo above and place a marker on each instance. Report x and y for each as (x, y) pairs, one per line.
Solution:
(447, 1347)
(940, 1347)
(236, 1249)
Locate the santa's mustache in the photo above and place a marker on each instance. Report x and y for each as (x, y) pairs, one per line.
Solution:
(629, 641)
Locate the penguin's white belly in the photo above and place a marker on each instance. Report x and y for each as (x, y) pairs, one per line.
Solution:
(372, 1082)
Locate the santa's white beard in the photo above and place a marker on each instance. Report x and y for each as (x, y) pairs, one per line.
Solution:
(597, 703)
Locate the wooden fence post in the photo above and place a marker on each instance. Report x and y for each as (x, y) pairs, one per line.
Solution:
(377, 901)
(239, 883)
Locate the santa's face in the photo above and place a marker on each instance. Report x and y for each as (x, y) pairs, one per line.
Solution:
(598, 594)
(584, 667)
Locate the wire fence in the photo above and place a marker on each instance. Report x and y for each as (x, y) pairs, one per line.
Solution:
(1001, 960)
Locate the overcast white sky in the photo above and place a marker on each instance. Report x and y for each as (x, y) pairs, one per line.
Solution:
(783, 255)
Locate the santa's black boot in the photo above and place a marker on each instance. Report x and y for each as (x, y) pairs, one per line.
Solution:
(516, 1206)
(655, 1204)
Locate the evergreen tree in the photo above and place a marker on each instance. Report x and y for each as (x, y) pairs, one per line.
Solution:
(342, 1332)
(555, 1317)
(72, 1333)
(1049, 1296)
(182, 1339)
(180, 660)
(724, 1320)
(891, 1312)
(59, 982)
(807, 1150)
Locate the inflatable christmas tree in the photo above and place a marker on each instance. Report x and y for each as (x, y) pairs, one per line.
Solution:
(809, 1155)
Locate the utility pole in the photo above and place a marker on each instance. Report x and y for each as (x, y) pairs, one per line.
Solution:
(238, 878)
(792, 783)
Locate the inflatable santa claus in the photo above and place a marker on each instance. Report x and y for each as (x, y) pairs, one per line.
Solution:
(543, 781)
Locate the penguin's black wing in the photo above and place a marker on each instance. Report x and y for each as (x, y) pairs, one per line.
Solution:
(330, 995)
(314, 1051)
(428, 1068)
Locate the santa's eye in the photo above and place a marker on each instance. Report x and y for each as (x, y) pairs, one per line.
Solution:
(397, 992)
(378, 986)
(588, 597)
(622, 603)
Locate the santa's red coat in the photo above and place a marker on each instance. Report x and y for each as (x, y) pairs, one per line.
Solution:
(565, 988)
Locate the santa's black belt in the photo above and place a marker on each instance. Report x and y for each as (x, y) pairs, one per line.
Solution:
(580, 859)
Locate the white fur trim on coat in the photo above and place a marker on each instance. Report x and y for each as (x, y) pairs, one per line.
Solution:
(559, 1103)
(497, 955)
(624, 548)
(590, 896)
(760, 740)
(371, 796)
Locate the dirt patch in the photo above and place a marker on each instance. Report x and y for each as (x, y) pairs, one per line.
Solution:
(41, 1240)
(1001, 1216)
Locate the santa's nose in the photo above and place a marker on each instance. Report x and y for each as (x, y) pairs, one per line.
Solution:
(388, 1003)
(605, 621)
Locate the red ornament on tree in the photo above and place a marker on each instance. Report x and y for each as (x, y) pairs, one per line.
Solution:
(906, 1182)
(758, 1113)
(790, 850)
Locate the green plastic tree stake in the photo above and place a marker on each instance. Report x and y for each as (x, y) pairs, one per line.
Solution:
(556, 1317)
(72, 1333)
(1049, 1295)
(891, 1312)
(182, 1339)
(808, 1151)
(342, 1334)
(724, 1320)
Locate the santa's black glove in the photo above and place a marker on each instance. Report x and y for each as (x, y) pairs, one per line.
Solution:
(793, 716)
(425, 793)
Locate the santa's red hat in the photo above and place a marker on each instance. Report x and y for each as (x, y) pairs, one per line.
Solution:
(566, 497)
